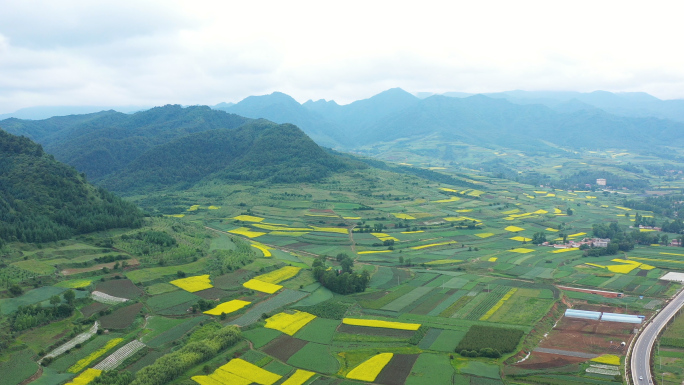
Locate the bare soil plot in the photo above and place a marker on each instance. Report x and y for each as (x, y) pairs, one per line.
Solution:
(284, 347)
(213, 293)
(589, 336)
(121, 318)
(397, 370)
(353, 329)
(123, 288)
(538, 360)
(93, 308)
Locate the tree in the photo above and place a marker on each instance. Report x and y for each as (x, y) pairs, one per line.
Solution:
(569, 211)
(69, 296)
(54, 300)
(16, 290)
(539, 238)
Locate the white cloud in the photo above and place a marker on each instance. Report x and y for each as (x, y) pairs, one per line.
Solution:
(204, 52)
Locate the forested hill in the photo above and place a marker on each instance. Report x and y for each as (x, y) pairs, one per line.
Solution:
(103, 143)
(257, 151)
(43, 200)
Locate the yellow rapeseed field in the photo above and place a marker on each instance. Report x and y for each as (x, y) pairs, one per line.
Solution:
(452, 199)
(492, 259)
(351, 217)
(250, 371)
(448, 189)
(246, 232)
(623, 208)
(194, 208)
(521, 239)
(521, 250)
(261, 286)
(370, 369)
(403, 216)
(385, 237)
(339, 230)
(289, 323)
(514, 229)
(221, 377)
(443, 261)
(458, 219)
(263, 249)
(609, 359)
(576, 235)
(484, 235)
(86, 377)
(228, 307)
(248, 218)
(464, 210)
(193, 284)
(279, 227)
(413, 232)
(84, 362)
(214, 207)
(280, 275)
(433, 245)
(564, 250)
(299, 377)
(552, 230)
(380, 324)
(373, 251)
(76, 283)
(496, 307)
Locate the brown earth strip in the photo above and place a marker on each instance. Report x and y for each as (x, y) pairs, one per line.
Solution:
(123, 288)
(353, 329)
(397, 370)
(538, 361)
(213, 293)
(121, 318)
(93, 308)
(284, 347)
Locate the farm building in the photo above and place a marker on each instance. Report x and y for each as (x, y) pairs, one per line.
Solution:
(624, 318)
(584, 314)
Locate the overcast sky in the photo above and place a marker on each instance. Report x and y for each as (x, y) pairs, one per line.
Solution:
(122, 52)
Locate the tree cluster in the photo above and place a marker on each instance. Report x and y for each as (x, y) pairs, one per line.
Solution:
(342, 280)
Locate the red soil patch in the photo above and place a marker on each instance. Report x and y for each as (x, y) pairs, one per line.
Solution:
(397, 370)
(538, 361)
(589, 336)
(122, 317)
(122, 288)
(110, 265)
(284, 347)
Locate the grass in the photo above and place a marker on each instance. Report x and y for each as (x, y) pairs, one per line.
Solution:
(320, 330)
(431, 369)
(261, 336)
(315, 357)
(150, 274)
(481, 369)
(18, 367)
(160, 288)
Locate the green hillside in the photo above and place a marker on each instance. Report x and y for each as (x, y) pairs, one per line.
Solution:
(258, 151)
(103, 143)
(43, 200)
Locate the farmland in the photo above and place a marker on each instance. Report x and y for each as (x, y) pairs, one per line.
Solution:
(457, 291)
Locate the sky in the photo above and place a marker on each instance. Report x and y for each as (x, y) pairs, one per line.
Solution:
(147, 53)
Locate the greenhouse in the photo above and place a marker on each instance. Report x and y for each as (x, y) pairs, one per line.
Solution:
(585, 314)
(625, 318)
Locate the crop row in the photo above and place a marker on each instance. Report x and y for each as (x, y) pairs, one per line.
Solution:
(491, 300)
(79, 339)
(115, 359)
(106, 298)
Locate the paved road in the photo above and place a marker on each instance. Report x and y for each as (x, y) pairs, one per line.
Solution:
(641, 354)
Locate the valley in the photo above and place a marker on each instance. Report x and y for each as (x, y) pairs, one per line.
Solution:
(411, 260)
